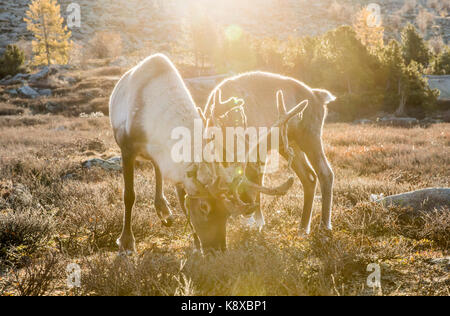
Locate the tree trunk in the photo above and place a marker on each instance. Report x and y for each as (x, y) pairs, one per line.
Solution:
(402, 107)
(47, 48)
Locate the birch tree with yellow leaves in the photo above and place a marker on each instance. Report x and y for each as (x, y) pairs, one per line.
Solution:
(51, 44)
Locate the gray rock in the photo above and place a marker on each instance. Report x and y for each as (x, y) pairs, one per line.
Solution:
(45, 92)
(425, 199)
(443, 262)
(40, 75)
(362, 122)
(399, 121)
(28, 92)
(51, 107)
(12, 92)
(114, 163)
(19, 78)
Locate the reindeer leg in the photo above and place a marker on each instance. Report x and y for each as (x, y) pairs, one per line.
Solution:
(181, 193)
(314, 150)
(161, 204)
(308, 178)
(257, 218)
(126, 241)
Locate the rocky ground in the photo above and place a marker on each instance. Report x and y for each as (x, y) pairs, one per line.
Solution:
(143, 23)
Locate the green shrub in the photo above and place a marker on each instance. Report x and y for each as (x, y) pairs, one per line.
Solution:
(11, 63)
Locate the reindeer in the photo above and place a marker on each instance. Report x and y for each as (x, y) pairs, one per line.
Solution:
(147, 104)
(304, 133)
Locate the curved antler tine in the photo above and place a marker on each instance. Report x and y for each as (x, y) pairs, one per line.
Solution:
(280, 190)
(217, 97)
(284, 117)
(297, 109)
(281, 106)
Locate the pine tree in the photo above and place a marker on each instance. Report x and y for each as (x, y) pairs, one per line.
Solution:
(416, 88)
(406, 85)
(441, 64)
(414, 46)
(395, 68)
(12, 61)
(370, 35)
(52, 40)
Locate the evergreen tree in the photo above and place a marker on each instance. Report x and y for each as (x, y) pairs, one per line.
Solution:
(406, 85)
(52, 40)
(416, 90)
(353, 62)
(394, 64)
(414, 46)
(441, 64)
(12, 61)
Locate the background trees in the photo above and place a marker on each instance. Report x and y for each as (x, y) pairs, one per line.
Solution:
(414, 47)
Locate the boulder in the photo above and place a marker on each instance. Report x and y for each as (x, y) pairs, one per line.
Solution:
(399, 121)
(425, 199)
(114, 163)
(19, 78)
(362, 122)
(45, 92)
(28, 92)
(443, 262)
(12, 92)
(42, 74)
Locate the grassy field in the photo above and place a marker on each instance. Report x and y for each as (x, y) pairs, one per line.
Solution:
(54, 212)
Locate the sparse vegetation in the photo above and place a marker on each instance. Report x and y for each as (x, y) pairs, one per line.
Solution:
(104, 45)
(85, 208)
(54, 211)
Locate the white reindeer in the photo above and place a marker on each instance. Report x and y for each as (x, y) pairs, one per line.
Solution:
(258, 90)
(147, 104)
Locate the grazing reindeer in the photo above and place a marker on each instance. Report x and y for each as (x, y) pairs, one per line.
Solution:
(309, 162)
(147, 104)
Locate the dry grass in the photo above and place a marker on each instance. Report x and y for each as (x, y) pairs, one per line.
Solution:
(76, 214)
(104, 45)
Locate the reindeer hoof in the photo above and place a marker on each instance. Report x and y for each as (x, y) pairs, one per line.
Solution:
(304, 232)
(126, 245)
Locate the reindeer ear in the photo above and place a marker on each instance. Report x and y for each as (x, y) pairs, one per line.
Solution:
(324, 96)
